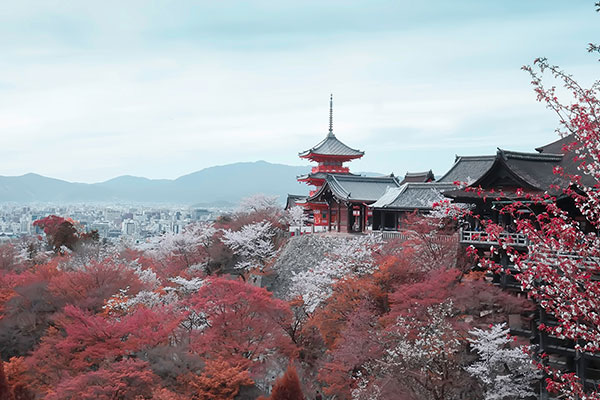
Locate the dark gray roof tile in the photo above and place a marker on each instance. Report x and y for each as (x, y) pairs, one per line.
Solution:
(331, 146)
(360, 188)
(468, 169)
(413, 196)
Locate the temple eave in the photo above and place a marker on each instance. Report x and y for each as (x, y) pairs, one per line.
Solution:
(325, 157)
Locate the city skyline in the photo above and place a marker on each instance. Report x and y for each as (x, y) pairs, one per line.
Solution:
(160, 90)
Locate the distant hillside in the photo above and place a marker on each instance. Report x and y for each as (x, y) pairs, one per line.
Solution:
(225, 184)
(216, 186)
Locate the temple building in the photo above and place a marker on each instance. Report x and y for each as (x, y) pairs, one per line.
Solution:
(418, 177)
(341, 201)
(509, 177)
(391, 208)
(345, 200)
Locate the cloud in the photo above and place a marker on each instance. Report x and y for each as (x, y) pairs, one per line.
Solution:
(89, 91)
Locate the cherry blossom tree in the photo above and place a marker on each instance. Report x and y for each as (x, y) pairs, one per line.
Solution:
(253, 244)
(558, 270)
(190, 247)
(259, 203)
(425, 352)
(353, 257)
(506, 372)
(296, 217)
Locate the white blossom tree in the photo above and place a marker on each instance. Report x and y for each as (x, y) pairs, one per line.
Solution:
(258, 203)
(426, 345)
(296, 217)
(191, 245)
(506, 372)
(187, 286)
(123, 303)
(253, 244)
(352, 257)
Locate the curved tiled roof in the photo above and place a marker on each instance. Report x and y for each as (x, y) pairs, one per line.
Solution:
(536, 169)
(321, 175)
(422, 177)
(292, 199)
(331, 146)
(468, 169)
(533, 172)
(556, 147)
(318, 175)
(413, 196)
(512, 169)
(357, 188)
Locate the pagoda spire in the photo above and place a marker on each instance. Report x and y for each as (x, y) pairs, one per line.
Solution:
(330, 116)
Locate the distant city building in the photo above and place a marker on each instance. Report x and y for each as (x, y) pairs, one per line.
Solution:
(102, 227)
(129, 227)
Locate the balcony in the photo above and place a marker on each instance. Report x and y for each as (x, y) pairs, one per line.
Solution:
(484, 238)
(330, 169)
(407, 235)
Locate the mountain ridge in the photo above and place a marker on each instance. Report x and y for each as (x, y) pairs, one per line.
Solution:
(220, 184)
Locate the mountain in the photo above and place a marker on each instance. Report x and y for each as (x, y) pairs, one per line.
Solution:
(224, 184)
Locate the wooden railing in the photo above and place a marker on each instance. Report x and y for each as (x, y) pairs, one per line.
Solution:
(478, 237)
(330, 169)
(387, 235)
(406, 235)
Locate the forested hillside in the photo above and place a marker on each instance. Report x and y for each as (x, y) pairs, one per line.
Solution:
(182, 317)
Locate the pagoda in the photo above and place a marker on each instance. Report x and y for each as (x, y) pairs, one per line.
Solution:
(330, 154)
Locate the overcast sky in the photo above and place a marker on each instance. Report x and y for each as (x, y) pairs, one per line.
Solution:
(93, 90)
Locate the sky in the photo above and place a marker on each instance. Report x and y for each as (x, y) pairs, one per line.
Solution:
(94, 90)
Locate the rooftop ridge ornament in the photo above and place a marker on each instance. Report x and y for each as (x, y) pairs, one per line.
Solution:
(331, 115)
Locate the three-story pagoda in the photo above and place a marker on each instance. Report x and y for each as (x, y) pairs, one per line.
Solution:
(330, 154)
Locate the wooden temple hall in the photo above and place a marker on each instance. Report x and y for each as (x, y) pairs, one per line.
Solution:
(345, 202)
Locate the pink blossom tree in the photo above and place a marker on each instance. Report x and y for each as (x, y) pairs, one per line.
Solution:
(559, 269)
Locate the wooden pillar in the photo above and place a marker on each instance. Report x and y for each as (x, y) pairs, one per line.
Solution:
(503, 275)
(328, 217)
(339, 216)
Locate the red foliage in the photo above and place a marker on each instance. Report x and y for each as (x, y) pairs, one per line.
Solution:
(435, 288)
(50, 224)
(17, 379)
(5, 390)
(242, 321)
(288, 386)
(127, 380)
(220, 379)
(86, 342)
(357, 344)
(59, 231)
(347, 296)
(90, 288)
